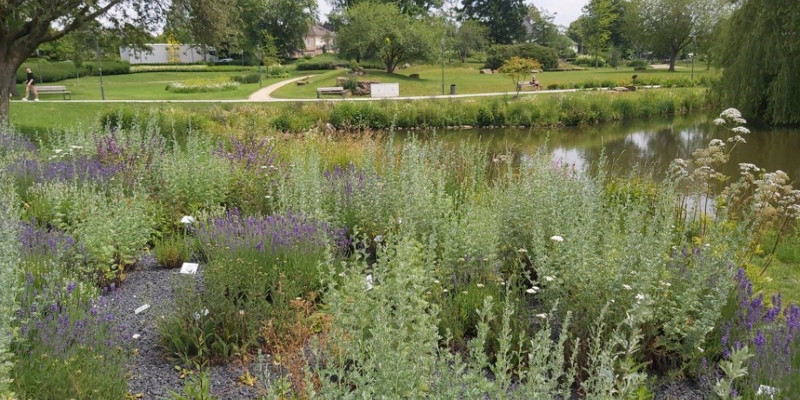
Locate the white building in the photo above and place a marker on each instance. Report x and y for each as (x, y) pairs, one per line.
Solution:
(163, 53)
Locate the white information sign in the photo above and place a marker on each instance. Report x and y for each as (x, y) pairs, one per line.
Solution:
(382, 90)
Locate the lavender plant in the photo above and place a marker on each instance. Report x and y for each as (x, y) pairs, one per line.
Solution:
(771, 332)
(255, 267)
(71, 348)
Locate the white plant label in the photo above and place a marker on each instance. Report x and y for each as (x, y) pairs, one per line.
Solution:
(189, 268)
(141, 309)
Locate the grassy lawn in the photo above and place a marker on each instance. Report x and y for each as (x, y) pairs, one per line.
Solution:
(468, 79)
(152, 86)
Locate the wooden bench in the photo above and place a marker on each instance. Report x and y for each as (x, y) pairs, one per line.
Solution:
(522, 85)
(55, 89)
(330, 90)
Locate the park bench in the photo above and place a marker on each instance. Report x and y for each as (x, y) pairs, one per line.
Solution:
(330, 90)
(55, 89)
(522, 85)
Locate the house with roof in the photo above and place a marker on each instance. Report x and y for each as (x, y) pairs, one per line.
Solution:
(318, 40)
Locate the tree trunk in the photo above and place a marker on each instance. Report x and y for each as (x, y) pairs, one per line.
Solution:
(672, 58)
(10, 60)
(7, 79)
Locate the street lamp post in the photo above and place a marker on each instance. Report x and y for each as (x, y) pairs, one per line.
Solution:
(442, 66)
(694, 54)
(99, 69)
(260, 61)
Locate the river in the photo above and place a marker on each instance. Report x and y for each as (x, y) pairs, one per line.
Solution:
(646, 146)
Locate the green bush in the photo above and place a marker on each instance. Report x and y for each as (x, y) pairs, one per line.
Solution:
(589, 61)
(638, 63)
(312, 65)
(498, 54)
(246, 78)
(50, 72)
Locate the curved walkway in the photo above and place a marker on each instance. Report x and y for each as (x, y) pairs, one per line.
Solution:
(265, 94)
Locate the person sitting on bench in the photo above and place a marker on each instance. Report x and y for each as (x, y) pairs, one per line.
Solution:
(535, 83)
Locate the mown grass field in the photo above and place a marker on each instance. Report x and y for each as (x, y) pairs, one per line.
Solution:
(468, 79)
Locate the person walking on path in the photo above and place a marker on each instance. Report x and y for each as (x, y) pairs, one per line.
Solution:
(30, 85)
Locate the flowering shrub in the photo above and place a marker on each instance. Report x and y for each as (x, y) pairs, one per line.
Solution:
(201, 87)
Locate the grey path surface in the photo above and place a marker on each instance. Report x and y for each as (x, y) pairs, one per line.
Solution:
(266, 93)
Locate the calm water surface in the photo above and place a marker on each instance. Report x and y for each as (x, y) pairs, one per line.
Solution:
(647, 146)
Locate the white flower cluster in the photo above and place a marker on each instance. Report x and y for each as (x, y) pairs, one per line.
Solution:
(740, 130)
(747, 167)
(716, 143)
(736, 139)
(732, 115)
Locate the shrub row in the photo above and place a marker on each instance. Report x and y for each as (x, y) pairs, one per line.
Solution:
(189, 68)
(498, 54)
(58, 71)
(561, 109)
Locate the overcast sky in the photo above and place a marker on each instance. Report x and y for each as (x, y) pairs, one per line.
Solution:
(565, 11)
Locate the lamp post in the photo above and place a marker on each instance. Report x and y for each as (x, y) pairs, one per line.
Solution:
(38, 66)
(260, 61)
(99, 69)
(694, 54)
(442, 66)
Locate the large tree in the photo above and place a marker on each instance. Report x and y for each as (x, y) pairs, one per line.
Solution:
(288, 21)
(409, 7)
(671, 25)
(469, 36)
(26, 24)
(541, 28)
(598, 16)
(761, 61)
(503, 18)
(381, 31)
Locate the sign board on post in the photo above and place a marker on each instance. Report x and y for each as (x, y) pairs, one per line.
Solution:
(382, 90)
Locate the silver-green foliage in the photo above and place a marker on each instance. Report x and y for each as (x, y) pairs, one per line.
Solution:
(193, 178)
(9, 264)
(112, 227)
(386, 331)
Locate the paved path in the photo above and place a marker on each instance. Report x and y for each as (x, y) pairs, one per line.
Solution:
(265, 94)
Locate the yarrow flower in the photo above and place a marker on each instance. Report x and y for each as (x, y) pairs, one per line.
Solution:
(480, 285)
(740, 130)
(532, 290)
(627, 287)
(542, 315)
(549, 278)
(716, 143)
(719, 121)
(557, 238)
(187, 219)
(639, 297)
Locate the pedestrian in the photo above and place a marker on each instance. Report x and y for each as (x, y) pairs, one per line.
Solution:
(30, 85)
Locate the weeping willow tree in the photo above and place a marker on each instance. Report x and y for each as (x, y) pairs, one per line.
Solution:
(761, 60)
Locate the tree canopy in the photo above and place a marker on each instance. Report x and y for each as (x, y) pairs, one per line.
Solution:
(503, 18)
(409, 7)
(761, 60)
(382, 31)
(26, 24)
